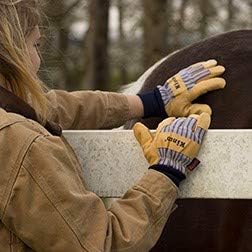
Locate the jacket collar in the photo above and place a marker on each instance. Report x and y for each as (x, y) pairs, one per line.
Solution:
(12, 103)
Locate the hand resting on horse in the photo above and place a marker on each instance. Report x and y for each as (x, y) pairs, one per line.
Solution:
(175, 97)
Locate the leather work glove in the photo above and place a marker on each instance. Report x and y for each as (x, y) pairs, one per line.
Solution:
(175, 97)
(175, 144)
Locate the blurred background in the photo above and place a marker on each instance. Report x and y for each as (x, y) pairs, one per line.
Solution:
(105, 44)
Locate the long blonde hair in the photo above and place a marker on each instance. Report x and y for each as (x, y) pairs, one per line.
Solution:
(18, 18)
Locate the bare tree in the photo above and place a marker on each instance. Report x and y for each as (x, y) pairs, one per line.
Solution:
(122, 41)
(230, 18)
(179, 28)
(155, 30)
(207, 11)
(98, 67)
(56, 55)
(204, 10)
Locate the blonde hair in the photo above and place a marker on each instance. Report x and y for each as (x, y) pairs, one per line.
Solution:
(17, 20)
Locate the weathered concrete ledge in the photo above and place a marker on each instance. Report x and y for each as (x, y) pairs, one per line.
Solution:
(113, 160)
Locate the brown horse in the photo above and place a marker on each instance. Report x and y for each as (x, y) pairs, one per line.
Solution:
(211, 224)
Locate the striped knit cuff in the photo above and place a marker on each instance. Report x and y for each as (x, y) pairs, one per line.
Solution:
(175, 175)
(153, 104)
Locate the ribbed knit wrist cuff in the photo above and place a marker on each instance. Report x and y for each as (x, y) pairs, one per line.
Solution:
(175, 175)
(153, 104)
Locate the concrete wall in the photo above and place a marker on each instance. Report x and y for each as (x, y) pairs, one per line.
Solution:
(113, 160)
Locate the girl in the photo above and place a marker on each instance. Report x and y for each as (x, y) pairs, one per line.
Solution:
(44, 205)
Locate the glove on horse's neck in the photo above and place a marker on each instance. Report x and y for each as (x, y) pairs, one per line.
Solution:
(12, 103)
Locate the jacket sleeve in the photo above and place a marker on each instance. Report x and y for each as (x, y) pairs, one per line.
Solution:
(49, 208)
(87, 109)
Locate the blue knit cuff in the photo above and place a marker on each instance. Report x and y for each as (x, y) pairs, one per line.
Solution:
(175, 175)
(153, 104)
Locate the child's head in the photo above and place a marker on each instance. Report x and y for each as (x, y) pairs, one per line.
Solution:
(19, 57)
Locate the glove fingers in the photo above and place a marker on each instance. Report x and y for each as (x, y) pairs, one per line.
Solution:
(177, 123)
(142, 134)
(195, 121)
(206, 64)
(205, 86)
(214, 72)
(199, 124)
(190, 122)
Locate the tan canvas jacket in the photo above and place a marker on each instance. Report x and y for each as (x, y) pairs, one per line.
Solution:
(44, 205)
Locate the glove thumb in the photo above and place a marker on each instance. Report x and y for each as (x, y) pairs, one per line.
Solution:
(199, 109)
(142, 134)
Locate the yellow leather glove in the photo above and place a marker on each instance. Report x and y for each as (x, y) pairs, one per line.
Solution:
(175, 143)
(180, 90)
